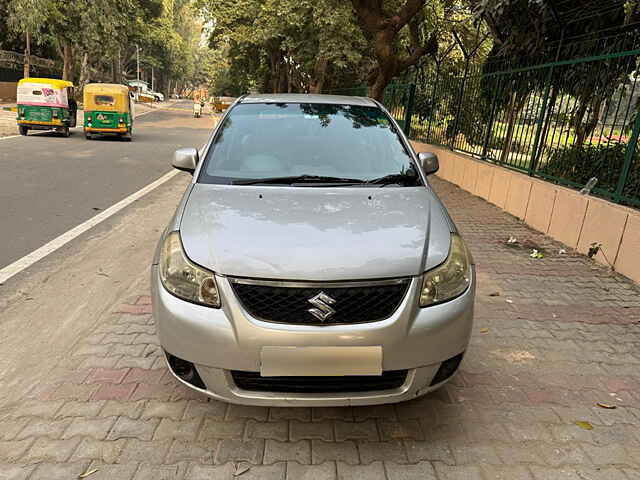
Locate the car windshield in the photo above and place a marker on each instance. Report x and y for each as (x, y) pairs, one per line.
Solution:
(266, 142)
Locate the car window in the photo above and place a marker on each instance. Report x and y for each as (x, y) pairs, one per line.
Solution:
(278, 140)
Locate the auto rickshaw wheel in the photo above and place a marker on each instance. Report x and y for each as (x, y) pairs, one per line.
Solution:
(66, 132)
(23, 130)
(88, 136)
(127, 137)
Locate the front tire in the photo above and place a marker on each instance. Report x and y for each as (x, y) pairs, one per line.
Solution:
(66, 132)
(88, 136)
(23, 130)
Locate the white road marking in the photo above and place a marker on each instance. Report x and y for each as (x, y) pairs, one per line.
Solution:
(25, 262)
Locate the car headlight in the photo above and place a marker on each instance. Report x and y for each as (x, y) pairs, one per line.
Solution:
(450, 279)
(184, 279)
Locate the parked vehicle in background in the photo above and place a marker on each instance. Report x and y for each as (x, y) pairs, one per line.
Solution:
(141, 91)
(108, 110)
(45, 104)
(158, 96)
(309, 262)
(220, 104)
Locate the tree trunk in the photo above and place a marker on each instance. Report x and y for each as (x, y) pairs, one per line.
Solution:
(585, 129)
(274, 72)
(515, 106)
(284, 78)
(67, 57)
(27, 55)
(116, 68)
(319, 74)
(383, 77)
(85, 72)
(382, 74)
(385, 28)
(547, 121)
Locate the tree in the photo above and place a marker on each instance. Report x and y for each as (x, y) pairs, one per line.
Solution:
(286, 45)
(385, 29)
(529, 32)
(29, 17)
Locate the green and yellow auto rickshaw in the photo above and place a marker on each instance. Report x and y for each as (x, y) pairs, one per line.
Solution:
(108, 109)
(45, 104)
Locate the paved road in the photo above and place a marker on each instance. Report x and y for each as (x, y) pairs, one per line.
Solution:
(50, 184)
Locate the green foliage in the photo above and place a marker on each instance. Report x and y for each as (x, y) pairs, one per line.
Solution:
(276, 45)
(96, 37)
(578, 164)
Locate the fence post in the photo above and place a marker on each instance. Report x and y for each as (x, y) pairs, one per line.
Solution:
(433, 103)
(461, 96)
(539, 123)
(487, 137)
(408, 109)
(628, 158)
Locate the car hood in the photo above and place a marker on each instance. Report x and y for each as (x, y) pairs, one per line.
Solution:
(315, 233)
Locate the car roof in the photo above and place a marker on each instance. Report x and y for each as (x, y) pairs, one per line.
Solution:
(308, 98)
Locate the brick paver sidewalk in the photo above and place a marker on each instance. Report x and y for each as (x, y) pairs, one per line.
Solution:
(553, 337)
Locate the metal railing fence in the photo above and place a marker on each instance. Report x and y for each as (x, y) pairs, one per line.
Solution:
(567, 121)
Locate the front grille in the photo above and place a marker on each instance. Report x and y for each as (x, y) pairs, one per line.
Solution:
(290, 304)
(252, 381)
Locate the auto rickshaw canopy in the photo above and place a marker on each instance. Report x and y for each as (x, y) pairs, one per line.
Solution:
(46, 92)
(110, 97)
(53, 82)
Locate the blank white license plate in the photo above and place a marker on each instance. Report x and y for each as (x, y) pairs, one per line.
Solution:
(320, 361)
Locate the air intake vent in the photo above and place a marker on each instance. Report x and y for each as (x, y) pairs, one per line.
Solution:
(252, 381)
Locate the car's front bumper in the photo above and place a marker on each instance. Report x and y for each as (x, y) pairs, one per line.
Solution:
(220, 340)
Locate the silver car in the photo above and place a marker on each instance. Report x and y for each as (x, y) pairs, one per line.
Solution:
(309, 262)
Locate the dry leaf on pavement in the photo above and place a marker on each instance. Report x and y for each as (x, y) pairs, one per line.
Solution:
(584, 425)
(86, 474)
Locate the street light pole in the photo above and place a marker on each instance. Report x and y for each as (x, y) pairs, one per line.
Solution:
(138, 61)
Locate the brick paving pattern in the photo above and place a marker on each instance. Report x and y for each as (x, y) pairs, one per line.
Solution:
(553, 337)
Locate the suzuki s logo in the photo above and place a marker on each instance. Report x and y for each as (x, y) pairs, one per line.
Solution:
(322, 301)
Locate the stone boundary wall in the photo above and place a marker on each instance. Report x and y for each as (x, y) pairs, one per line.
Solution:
(8, 91)
(563, 214)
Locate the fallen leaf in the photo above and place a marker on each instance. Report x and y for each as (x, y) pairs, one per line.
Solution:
(86, 474)
(584, 425)
(494, 294)
(484, 330)
(96, 208)
(606, 405)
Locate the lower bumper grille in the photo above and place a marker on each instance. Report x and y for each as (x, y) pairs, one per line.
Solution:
(252, 381)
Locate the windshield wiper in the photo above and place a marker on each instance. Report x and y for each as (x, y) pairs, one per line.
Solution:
(408, 177)
(297, 179)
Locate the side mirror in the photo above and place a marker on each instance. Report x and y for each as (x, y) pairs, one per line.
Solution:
(428, 162)
(185, 159)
